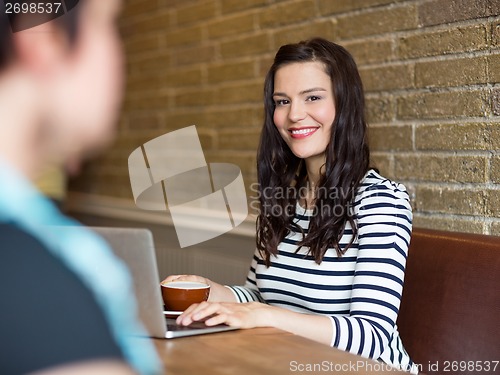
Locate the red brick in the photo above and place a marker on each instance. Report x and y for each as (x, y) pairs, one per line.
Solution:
(246, 46)
(369, 51)
(229, 6)
(391, 138)
(138, 8)
(442, 42)
(143, 81)
(493, 62)
(295, 33)
(448, 223)
(234, 117)
(495, 228)
(384, 162)
(495, 169)
(287, 13)
(182, 117)
(236, 71)
(183, 36)
(194, 97)
(444, 105)
(142, 43)
(157, 21)
(379, 109)
(449, 73)
(387, 77)
(246, 160)
(447, 200)
(181, 77)
(263, 66)
(495, 34)
(493, 203)
(194, 55)
(239, 139)
(437, 168)
(437, 12)
(495, 101)
(151, 101)
(243, 93)
(199, 11)
(468, 136)
(151, 62)
(231, 26)
(328, 7)
(379, 21)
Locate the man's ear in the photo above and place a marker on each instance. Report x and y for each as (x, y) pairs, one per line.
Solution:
(40, 49)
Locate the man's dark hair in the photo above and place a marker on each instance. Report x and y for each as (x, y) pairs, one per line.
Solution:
(5, 37)
(67, 23)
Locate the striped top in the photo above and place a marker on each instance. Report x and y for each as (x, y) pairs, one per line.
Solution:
(360, 291)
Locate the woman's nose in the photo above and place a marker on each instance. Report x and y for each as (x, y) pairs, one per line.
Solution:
(297, 112)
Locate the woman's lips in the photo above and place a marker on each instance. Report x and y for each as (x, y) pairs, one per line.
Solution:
(302, 132)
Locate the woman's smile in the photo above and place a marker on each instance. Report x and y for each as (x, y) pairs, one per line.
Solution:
(300, 133)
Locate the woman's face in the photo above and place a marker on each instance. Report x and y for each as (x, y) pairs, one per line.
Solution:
(304, 108)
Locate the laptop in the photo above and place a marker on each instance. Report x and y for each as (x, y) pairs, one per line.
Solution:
(135, 247)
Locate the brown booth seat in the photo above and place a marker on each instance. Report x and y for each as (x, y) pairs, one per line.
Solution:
(450, 309)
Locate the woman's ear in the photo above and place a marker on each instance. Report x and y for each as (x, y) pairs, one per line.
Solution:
(40, 49)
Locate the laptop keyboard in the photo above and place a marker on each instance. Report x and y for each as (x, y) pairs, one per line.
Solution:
(173, 326)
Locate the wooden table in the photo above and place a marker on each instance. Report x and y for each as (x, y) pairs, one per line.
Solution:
(259, 351)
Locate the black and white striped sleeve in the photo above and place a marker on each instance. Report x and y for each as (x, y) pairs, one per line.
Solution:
(249, 292)
(384, 221)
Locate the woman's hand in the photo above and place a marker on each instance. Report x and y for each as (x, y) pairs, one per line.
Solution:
(241, 315)
(218, 292)
(255, 314)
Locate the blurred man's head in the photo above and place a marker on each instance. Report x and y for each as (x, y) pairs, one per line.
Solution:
(71, 72)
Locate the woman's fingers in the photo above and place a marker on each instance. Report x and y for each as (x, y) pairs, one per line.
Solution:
(241, 315)
(198, 312)
(185, 317)
(220, 318)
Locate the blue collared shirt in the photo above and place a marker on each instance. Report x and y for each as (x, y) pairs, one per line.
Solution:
(87, 255)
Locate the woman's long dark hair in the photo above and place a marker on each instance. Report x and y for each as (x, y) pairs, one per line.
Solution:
(281, 173)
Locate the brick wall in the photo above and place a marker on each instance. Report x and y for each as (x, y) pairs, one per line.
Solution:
(431, 70)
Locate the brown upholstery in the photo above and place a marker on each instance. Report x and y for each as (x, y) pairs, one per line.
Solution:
(450, 310)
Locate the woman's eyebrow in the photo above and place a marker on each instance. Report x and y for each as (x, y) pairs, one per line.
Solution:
(280, 94)
(314, 89)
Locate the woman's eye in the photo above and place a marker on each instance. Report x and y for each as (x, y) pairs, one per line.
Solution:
(280, 102)
(313, 98)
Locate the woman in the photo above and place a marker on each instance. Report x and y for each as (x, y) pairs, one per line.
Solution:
(65, 301)
(332, 234)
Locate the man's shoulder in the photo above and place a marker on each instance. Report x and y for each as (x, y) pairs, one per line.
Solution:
(11, 235)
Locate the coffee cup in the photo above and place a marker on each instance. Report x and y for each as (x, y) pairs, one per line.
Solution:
(179, 295)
